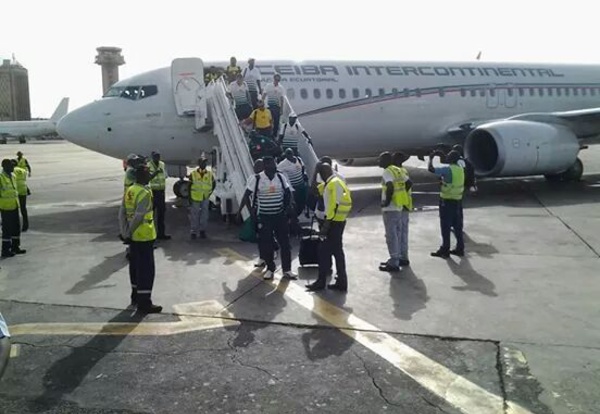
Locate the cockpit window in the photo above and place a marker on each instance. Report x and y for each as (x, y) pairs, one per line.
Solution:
(132, 92)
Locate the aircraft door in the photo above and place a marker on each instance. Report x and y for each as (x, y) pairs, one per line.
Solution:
(187, 77)
(492, 96)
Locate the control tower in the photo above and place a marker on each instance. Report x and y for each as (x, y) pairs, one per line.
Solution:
(109, 58)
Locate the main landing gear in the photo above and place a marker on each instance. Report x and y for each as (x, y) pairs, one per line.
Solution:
(573, 173)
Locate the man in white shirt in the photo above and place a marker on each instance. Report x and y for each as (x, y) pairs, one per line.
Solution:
(239, 92)
(274, 94)
(293, 167)
(290, 133)
(271, 197)
(251, 76)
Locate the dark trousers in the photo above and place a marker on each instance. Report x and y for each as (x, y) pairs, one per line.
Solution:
(11, 230)
(333, 246)
(276, 113)
(158, 197)
(269, 226)
(451, 218)
(253, 98)
(23, 205)
(243, 111)
(141, 272)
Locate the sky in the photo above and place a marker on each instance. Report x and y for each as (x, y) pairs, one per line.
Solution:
(56, 40)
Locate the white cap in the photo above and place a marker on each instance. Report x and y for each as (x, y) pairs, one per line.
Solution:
(293, 115)
(132, 157)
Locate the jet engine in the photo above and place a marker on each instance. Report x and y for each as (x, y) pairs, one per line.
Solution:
(514, 148)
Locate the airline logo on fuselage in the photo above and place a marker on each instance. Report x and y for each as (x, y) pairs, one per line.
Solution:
(382, 70)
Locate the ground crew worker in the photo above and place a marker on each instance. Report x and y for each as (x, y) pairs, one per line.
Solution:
(251, 76)
(23, 191)
(295, 171)
(451, 193)
(9, 211)
(233, 70)
(136, 220)
(274, 94)
(272, 202)
(158, 178)
(202, 185)
(261, 120)
(338, 203)
(395, 207)
(129, 178)
(290, 133)
(23, 163)
(210, 75)
(238, 91)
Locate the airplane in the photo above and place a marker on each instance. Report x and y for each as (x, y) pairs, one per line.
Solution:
(513, 119)
(22, 129)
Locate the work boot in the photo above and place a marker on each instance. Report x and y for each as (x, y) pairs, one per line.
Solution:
(441, 253)
(8, 254)
(193, 236)
(203, 235)
(18, 250)
(456, 252)
(152, 308)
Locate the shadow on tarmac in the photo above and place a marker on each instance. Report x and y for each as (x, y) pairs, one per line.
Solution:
(408, 292)
(66, 374)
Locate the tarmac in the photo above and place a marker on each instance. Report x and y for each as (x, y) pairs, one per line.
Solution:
(513, 327)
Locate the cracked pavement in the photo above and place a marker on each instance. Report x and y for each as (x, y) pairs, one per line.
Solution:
(518, 317)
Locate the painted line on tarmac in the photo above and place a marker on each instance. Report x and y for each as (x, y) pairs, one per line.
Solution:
(194, 317)
(458, 391)
(15, 351)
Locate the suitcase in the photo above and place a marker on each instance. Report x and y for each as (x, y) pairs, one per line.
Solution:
(309, 246)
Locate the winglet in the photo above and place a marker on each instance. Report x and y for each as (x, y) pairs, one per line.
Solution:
(61, 110)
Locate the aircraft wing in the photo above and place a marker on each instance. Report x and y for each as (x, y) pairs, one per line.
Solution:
(585, 123)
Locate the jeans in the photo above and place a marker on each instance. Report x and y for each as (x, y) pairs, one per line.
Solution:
(451, 217)
(396, 235)
(198, 216)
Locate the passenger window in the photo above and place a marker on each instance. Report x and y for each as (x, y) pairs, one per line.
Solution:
(342, 93)
(303, 93)
(541, 91)
(406, 92)
(521, 92)
(355, 93)
(558, 92)
(381, 92)
(583, 91)
(329, 93)
(593, 91)
(575, 92)
(509, 91)
(291, 93)
(368, 93)
(463, 93)
(531, 92)
(317, 93)
(148, 90)
(482, 93)
(492, 92)
(441, 92)
(418, 93)
(473, 93)
(549, 91)
(567, 91)
(395, 91)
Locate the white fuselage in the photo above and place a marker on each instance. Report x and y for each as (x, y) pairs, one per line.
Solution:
(27, 128)
(350, 109)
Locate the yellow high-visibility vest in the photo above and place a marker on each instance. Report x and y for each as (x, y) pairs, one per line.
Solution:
(145, 231)
(21, 179)
(454, 190)
(337, 210)
(400, 196)
(9, 198)
(159, 181)
(201, 185)
(22, 163)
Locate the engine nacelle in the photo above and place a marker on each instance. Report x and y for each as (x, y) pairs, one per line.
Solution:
(513, 147)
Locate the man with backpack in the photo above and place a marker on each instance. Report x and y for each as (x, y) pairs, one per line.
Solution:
(272, 204)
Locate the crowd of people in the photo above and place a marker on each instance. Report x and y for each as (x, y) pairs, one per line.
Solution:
(13, 203)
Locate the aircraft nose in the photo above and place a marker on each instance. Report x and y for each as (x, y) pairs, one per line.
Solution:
(77, 127)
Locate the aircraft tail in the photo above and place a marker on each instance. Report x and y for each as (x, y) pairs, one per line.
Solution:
(61, 110)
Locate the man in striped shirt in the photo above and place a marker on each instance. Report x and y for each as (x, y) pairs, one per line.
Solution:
(251, 76)
(290, 133)
(272, 199)
(274, 94)
(293, 167)
(238, 91)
